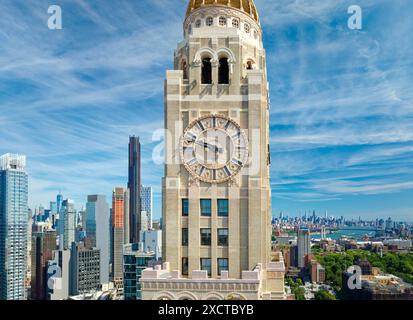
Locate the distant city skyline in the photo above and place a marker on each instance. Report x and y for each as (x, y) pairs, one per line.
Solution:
(300, 212)
(341, 117)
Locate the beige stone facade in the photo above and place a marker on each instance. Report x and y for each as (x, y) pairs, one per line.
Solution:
(241, 264)
(259, 284)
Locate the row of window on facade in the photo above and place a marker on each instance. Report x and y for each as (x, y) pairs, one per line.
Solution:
(206, 207)
(206, 237)
(206, 265)
(223, 22)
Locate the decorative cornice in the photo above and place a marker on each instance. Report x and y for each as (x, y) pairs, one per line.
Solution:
(204, 12)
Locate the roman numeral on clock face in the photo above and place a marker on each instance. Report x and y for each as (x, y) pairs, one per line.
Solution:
(200, 125)
(236, 161)
(190, 137)
(237, 135)
(192, 161)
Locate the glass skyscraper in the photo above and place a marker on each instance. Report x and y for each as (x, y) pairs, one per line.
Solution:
(67, 224)
(59, 201)
(134, 186)
(13, 227)
(98, 231)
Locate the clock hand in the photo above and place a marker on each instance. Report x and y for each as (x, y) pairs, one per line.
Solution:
(208, 146)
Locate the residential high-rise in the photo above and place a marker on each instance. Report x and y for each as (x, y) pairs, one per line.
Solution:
(126, 216)
(216, 188)
(98, 231)
(43, 245)
(84, 269)
(118, 211)
(304, 246)
(144, 223)
(67, 224)
(30, 224)
(134, 186)
(13, 227)
(146, 201)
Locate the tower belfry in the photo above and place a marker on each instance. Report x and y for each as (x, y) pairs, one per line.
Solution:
(216, 188)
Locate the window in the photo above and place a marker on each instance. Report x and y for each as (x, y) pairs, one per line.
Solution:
(222, 208)
(184, 67)
(185, 207)
(185, 237)
(222, 265)
(205, 237)
(198, 24)
(206, 265)
(206, 207)
(222, 21)
(235, 23)
(255, 34)
(209, 21)
(206, 71)
(185, 268)
(223, 237)
(223, 71)
(250, 65)
(247, 28)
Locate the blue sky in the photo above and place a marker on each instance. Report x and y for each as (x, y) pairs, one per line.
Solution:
(342, 100)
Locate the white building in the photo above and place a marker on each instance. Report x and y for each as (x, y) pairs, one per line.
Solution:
(14, 217)
(152, 242)
(146, 205)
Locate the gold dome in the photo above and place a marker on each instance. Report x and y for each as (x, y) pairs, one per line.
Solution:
(246, 6)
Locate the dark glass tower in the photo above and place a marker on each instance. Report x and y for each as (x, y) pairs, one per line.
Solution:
(134, 186)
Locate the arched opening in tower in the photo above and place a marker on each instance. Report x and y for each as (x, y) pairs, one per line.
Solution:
(223, 72)
(206, 71)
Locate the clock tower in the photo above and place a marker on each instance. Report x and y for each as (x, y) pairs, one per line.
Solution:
(216, 189)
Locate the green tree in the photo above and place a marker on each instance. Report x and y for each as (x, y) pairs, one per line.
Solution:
(300, 293)
(324, 295)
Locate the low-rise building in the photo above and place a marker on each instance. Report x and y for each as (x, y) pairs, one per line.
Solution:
(377, 286)
(161, 283)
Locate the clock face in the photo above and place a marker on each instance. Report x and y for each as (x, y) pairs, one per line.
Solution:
(214, 149)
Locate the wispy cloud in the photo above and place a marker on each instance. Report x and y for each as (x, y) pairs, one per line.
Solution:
(342, 101)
